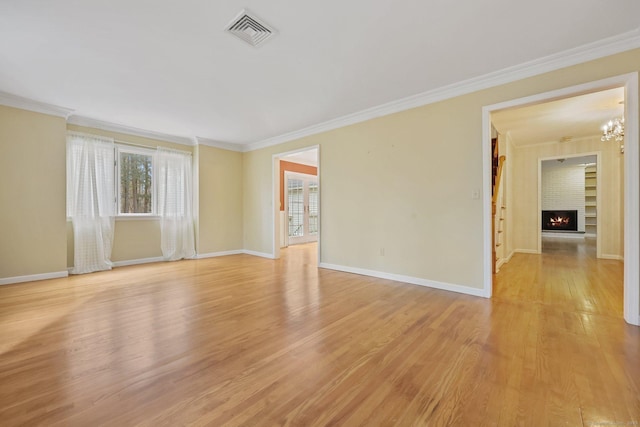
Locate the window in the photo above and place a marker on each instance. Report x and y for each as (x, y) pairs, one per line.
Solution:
(296, 207)
(301, 200)
(135, 181)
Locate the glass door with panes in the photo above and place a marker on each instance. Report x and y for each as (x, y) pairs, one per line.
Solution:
(301, 203)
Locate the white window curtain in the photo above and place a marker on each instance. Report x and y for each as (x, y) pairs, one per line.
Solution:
(90, 200)
(175, 185)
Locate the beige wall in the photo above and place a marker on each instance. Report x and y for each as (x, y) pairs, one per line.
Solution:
(220, 212)
(524, 175)
(32, 193)
(133, 240)
(36, 238)
(404, 182)
(382, 186)
(257, 200)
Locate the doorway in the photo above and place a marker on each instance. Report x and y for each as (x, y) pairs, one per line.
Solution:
(569, 193)
(630, 170)
(301, 208)
(296, 199)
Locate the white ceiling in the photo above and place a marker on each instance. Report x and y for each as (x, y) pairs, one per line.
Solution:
(569, 161)
(308, 157)
(168, 66)
(575, 117)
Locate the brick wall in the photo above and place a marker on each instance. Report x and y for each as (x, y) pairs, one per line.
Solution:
(563, 188)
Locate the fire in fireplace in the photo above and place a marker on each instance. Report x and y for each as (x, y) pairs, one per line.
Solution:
(566, 220)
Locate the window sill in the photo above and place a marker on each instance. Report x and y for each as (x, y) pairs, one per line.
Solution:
(137, 218)
(132, 218)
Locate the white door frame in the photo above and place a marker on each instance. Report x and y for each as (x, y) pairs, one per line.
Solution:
(598, 155)
(631, 181)
(275, 212)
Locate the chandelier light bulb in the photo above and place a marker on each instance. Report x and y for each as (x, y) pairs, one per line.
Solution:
(614, 130)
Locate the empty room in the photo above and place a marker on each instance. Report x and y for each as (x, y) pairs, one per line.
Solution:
(341, 213)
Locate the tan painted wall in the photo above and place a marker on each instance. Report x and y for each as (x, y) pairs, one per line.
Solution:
(257, 200)
(36, 237)
(404, 182)
(133, 240)
(32, 193)
(220, 218)
(525, 195)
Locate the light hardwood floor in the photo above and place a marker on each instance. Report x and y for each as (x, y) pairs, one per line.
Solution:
(241, 340)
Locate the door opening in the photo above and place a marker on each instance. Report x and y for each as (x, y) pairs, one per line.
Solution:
(628, 172)
(296, 182)
(301, 207)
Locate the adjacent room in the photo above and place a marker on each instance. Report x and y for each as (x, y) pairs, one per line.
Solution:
(342, 213)
(562, 199)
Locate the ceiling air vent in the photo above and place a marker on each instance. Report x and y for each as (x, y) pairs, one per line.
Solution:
(248, 27)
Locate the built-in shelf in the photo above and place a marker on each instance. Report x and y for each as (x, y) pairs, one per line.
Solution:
(590, 199)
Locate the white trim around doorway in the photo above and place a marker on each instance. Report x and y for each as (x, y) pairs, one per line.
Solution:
(631, 181)
(275, 212)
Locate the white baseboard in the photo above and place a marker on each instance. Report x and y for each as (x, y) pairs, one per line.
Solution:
(526, 251)
(34, 277)
(610, 256)
(137, 261)
(508, 258)
(565, 235)
(217, 254)
(407, 279)
(260, 254)
(198, 256)
(500, 263)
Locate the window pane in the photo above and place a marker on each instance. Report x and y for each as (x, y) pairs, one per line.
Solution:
(136, 171)
(296, 207)
(313, 207)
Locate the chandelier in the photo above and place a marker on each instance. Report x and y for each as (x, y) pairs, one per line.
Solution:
(613, 130)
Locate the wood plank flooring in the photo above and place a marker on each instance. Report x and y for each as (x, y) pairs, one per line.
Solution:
(241, 340)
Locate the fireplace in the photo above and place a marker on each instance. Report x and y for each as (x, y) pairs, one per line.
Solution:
(559, 220)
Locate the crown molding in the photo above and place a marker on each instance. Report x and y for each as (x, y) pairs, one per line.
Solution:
(588, 52)
(128, 130)
(219, 144)
(15, 101)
